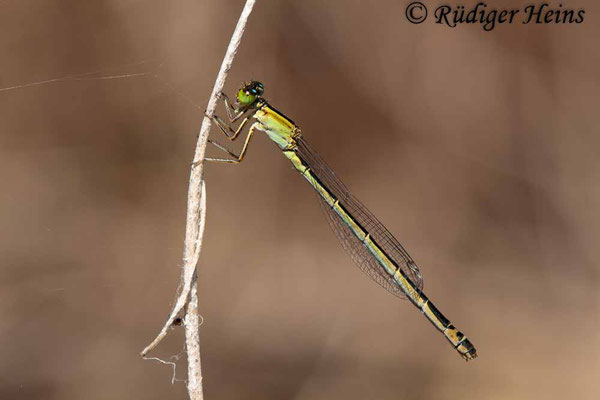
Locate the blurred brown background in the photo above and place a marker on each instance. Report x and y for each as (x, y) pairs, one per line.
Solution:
(477, 149)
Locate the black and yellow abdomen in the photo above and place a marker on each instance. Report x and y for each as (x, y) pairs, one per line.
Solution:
(458, 340)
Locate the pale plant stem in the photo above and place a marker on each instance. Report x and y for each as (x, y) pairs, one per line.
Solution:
(192, 346)
(196, 211)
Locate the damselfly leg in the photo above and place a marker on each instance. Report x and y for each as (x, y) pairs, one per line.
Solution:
(236, 158)
(227, 129)
(232, 113)
(230, 132)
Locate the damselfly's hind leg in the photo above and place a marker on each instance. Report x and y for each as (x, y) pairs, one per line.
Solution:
(236, 158)
(226, 128)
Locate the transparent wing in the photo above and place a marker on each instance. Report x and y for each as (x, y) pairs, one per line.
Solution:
(355, 248)
(358, 252)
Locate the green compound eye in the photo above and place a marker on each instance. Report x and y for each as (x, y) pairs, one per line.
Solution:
(250, 92)
(245, 97)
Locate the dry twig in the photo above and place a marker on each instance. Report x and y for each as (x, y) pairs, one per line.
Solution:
(196, 211)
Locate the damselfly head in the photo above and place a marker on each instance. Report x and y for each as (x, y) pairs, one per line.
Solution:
(250, 92)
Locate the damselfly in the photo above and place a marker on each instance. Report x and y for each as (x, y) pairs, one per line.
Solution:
(367, 241)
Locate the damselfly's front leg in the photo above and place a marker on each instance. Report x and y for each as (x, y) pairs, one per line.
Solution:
(236, 158)
(233, 114)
